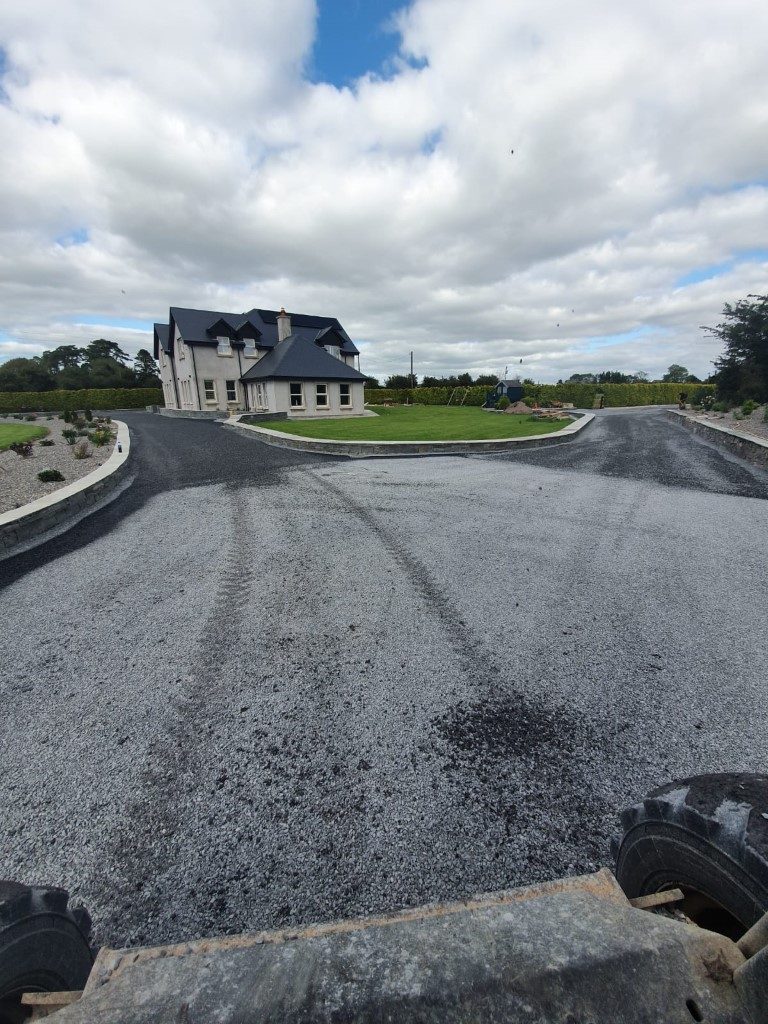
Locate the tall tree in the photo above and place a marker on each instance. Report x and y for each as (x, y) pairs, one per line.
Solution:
(676, 374)
(742, 370)
(103, 349)
(24, 375)
(145, 368)
(398, 380)
(62, 358)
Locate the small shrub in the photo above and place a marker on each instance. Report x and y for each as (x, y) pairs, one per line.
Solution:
(69, 436)
(81, 432)
(49, 476)
(708, 402)
(18, 415)
(747, 408)
(738, 414)
(503, 403)
(82, 450)
(30, 416)
(88, 415)
(46, 442)
(67, 415)
(22, 448)
(720, 406)
(79, 422)
(100, 437)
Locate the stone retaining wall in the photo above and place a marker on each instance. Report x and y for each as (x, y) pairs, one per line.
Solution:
(186, 414)
(390, 449)
(753, 449)
(40, 520)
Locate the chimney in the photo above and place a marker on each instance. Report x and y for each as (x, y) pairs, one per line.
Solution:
(283, 325)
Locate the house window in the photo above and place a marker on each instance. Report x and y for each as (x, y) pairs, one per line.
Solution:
(209, 386)
(297, 395)
(345, 396)
(333, 350)
(231, 390)
(224, 347)
(321, 396)
(261, 396)
(250, 348)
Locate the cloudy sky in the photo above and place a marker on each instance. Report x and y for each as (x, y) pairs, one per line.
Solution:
(578, 183)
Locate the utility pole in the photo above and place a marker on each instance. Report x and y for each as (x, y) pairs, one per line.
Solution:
(413, 382)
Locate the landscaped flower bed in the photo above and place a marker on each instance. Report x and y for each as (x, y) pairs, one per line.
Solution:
(44, 446)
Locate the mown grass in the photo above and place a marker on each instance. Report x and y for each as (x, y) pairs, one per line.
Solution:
(10, 433)
(419, 423)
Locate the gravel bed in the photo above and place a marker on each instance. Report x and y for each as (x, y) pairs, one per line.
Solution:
(754, 424)
(262, 689)
(18, 476)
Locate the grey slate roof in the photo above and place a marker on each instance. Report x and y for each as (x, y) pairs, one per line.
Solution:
(299, 358)
(161, 339)
(194, 324)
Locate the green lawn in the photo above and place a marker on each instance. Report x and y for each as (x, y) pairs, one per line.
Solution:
(10, 433)
(418, 423)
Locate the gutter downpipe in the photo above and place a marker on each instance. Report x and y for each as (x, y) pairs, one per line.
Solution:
(240, 382)
(197, 382)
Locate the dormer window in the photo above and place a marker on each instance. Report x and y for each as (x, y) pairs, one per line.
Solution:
(224, 346)
(333, 350)
(250, 348)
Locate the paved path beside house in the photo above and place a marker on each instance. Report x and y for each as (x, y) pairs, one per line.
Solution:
(265, 688)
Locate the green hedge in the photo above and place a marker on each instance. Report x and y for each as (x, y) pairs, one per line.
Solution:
(582, 395)
(90, 398)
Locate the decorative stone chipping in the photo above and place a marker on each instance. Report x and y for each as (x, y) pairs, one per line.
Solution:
(40, 520)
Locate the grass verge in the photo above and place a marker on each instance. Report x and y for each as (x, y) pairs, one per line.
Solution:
(10, 433)
(419, 423)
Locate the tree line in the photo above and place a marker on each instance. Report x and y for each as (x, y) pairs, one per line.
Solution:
(676, 374)
(102, 364)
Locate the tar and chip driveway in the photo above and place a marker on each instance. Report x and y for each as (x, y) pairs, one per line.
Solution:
(265, 688)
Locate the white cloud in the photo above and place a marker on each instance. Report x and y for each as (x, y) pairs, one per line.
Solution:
(208, 172)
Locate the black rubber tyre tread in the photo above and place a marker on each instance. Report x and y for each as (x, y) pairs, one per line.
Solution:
(708, 833)
(43, 944)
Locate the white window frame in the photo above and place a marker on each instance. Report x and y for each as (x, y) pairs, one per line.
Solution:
(333, 350)
(234, 400)
(206, 390)
(300, 404)
(326, 403)
(223, 346)
(348, 403)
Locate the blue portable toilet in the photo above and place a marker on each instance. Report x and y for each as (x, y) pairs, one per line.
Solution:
(513, 389)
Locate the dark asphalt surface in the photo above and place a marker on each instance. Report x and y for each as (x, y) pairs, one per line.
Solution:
(263, 688)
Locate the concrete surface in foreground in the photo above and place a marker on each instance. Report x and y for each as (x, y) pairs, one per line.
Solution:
(262, 689)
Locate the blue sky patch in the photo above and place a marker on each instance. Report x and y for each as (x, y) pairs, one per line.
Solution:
(114, 321)
(718, 269)
(77, 237)
(607, 340)
(353, 37)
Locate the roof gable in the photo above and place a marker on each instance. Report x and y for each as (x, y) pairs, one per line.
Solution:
(299, 358)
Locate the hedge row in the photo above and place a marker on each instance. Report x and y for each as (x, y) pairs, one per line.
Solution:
(89, 398)
(582, 395)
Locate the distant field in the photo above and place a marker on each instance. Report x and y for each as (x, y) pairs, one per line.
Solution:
(10, 433)
(419, 423)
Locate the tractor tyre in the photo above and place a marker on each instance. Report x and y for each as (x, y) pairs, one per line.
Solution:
(43, 945)
(708, 836)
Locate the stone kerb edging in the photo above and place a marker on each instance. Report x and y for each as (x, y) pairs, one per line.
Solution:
(390, 449)
(40, 520)
(753, 449)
